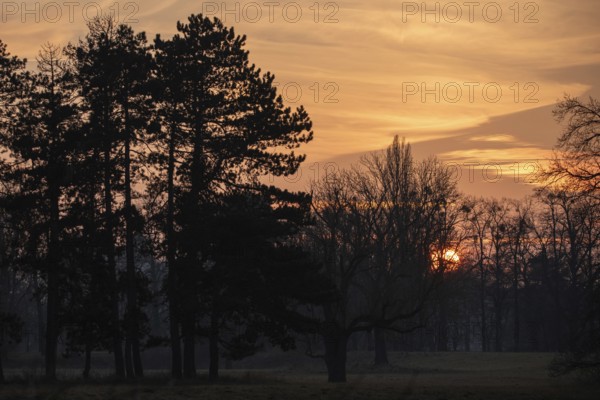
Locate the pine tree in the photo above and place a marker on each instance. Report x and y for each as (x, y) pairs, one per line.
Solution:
(40, 142)
(257, 279)
(225, 123)
(113, 68)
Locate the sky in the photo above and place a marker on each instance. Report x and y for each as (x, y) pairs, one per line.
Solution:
(471, 82)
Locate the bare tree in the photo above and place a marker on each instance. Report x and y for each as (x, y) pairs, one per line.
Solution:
(578, 149)
(477, 223)
(377, 228)
(520, 226)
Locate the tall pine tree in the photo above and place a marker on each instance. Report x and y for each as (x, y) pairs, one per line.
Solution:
(113, 67)
(227, 127)
(40, 142)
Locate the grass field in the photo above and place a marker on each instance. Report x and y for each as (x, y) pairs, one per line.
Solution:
(427, 376)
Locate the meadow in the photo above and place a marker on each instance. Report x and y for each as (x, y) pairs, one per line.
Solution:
(277, 376)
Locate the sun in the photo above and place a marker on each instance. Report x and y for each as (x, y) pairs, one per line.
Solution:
(449, 257)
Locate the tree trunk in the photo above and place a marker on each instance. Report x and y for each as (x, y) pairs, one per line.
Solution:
(1, 369)
(176, 371)
(112, 267)
(188, 273)
(128, 358)
(517, 322)
(189, 347)
(176, 359)
(335, 357)
(88, 361)
(468, 334)
(41, 321)
(484, 339)
(52, 305)
(442, 335)
(54, 256)
(213, 370)
(498, 329)
(380, 347)
(188, 323)
(133, 349)
(3, 300)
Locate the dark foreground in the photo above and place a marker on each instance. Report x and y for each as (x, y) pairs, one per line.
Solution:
(432, 376)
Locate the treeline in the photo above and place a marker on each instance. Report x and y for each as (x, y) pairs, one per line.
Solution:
(521, 276)
(419, 267)
(132, 176)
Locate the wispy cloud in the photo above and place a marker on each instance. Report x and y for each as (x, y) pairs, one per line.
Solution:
(494, 138)
(391, 72)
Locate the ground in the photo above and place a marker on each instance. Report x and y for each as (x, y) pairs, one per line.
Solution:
(426, 376)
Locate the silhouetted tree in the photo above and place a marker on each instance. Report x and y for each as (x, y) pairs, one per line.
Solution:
(256, 277)
(134, 98)
(376, 231)
(226, 127)
(578, 148)
(520, 225)
(99, 71)
(478, 225)
(11, 70)
(569, 235)
(11, 324)
(40, 142)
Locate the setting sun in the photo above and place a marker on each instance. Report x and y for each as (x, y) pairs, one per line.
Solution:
(449, 256)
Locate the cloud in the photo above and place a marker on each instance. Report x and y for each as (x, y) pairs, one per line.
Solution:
(494, 138)
(375, 49)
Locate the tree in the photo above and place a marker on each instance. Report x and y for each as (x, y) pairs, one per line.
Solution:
(11, 70)
(520, 225)
(11, 324)
(135, 99)
(568, 230)
(257, 280)
(498, 262)
(40, 141)
(573, 180)
(226, 127)
(97, 62)
(478, 225)
(419, 210)
(377, 228)
(578, 149)
(170, 99)
(338, 241)
(113, 67)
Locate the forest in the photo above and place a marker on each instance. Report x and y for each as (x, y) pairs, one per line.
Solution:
(135, 215)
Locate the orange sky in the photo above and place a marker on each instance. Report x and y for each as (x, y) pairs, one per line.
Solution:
(386, 67)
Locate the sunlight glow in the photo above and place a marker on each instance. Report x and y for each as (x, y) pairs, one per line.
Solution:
(449, 257)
